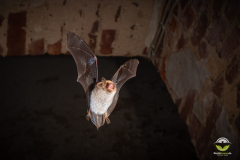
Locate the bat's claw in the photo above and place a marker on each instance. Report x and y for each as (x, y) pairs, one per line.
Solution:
(108, 120)
(88, 117)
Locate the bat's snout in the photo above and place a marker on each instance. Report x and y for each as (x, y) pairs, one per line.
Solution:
(110, 87)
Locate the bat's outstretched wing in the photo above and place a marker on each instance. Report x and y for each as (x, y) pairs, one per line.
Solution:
(124, 73)
(86, 63)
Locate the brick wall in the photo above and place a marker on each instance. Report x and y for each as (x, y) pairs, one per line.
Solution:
(34, 27)
(197, 53)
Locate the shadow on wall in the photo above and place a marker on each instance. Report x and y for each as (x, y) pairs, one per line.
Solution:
(43, 112)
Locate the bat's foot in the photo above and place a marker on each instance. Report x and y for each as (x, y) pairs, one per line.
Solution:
(108, 120)
(88, 117)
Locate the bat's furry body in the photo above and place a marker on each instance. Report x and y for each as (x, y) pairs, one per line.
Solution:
(102, 96)
(100, 100)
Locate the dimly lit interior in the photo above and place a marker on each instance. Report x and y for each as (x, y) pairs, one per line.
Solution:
(183, 103)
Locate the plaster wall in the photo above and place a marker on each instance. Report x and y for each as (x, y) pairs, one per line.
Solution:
(111, 28)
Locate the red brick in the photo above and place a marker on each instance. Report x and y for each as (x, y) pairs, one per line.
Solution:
(1, 19)
(108, 36)
(55, 49)
(204, 142)
(218, 86)
(215, 33)
(17, 19)
(193, 126)
(231, 9)
(36, 47)
(118, 13)
(187, 108)
(200, 30)
(188, 17)
(230, 44)
(202, 50)
(16, 35)
(232, 70)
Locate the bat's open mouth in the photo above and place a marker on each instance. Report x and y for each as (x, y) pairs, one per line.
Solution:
(110, 87)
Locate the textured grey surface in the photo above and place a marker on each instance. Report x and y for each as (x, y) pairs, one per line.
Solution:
(185, 73)
(42, 114)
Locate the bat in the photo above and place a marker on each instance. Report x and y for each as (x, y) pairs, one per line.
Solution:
(101, 97)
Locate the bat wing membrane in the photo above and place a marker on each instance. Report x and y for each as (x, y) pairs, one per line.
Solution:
(86, 63)
(97, 119)
(124, 73)
(74, 41)
(87, 68)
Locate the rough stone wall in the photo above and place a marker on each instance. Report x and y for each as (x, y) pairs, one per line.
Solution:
(34, 27)
(198, 57)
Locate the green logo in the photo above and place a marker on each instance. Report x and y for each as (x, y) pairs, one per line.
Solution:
(222, 144)
(222, 149)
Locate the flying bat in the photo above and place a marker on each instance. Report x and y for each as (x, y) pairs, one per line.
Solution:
(101, 96)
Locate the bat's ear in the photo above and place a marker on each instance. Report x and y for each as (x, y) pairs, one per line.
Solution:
(104, 82)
